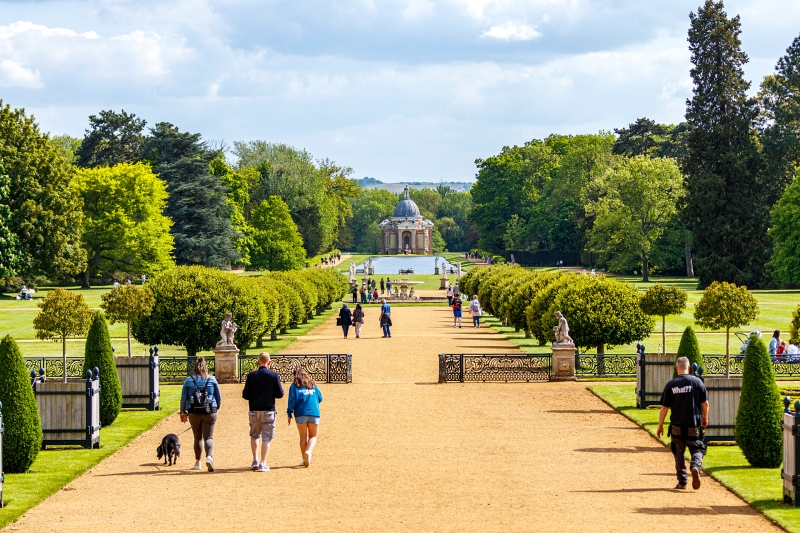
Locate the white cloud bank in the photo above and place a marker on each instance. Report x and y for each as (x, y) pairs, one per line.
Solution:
(512, 31)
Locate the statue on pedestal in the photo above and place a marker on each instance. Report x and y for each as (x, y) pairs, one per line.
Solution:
(228, 329)
(562, 330)
(459, 271)
(352, 272)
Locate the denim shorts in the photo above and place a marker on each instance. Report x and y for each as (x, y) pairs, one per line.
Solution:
(307, 420)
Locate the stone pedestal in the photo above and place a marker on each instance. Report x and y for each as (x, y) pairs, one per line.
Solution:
(226, 363)
(436, 271)
(443, 285)
(563, 363)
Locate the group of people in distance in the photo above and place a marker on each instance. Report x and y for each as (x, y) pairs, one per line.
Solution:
(455, 302)
(356, 317)
(779, 349)
(368, 293)
(201, 399)
(330, 260)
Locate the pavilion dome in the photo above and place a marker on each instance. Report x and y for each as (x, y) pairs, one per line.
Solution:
(406, 207)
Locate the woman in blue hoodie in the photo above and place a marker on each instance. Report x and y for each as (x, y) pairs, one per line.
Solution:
(304, 398)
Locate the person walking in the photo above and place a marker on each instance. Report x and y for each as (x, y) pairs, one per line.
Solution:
(363, 294)
(354, 292)
(261, 388)
(304, 400)
(475, 311)
(450, 295)
(358, 319)
(456, 311)
(382, 286)
(386, 319)
(200, 401)
(686, 396)
(345, 319)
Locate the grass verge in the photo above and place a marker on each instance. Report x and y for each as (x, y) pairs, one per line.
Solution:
(760, 487)
(55, 468)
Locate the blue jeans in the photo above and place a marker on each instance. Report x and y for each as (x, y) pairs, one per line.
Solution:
(386, 331)
(476, 321)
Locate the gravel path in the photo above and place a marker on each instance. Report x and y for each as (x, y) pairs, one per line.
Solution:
(398, 452)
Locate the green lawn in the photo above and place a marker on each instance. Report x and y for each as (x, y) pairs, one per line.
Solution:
(760, 487)
(54, 468)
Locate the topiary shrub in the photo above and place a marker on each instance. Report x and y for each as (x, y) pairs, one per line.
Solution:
(795, 330)
(758, 421)
(99, 354)
(23, 435)
(689, 348)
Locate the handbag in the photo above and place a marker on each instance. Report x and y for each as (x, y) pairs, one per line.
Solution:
(338, 321)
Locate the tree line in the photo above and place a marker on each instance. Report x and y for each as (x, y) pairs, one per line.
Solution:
(127, 199)
(717, 193)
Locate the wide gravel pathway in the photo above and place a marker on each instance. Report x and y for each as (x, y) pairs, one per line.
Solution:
(399, 452)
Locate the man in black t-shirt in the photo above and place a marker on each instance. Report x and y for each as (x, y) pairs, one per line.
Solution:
(687, 397)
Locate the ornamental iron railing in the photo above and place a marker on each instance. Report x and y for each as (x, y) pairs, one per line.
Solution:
(494, 367)
(595, 365)
(324, 368)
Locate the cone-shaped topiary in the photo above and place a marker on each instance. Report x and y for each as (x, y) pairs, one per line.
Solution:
(99, 354)
(23, 434)
(689, 348)
(758, 422)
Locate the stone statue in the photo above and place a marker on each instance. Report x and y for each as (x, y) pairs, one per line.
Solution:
(512, 259)
(459, 270)
(228, 329)
(352, 271)
(562, 330)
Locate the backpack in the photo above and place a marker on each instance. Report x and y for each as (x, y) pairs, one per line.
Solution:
(457, 304)
(201, 400)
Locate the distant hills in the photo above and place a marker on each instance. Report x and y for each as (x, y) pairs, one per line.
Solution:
(372, 183)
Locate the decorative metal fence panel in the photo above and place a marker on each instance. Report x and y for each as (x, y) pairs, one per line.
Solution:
(54, 366)
(494, 367)
(175, 368)
(605, 365)
(324, 368)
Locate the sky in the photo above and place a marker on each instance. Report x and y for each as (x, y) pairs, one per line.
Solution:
(399, 90)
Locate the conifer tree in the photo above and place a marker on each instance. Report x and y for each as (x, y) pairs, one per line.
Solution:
(689, 348)
(23, 428)
(99, 355)
(758, 422)
(726, 206)
(197, 203)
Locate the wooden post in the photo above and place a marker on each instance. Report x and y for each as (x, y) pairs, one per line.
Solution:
(791, 451)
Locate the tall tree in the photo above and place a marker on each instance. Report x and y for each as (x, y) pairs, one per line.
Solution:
(124, 227)
(371, 207)
(291, 174)
(197, 201)
(112, 138)
(45, 211)
(635, 203)
(640, 138)
(785, 231)
(9, 244)
(726, 205)
(341, 188)
(780, 125)
(277, 244)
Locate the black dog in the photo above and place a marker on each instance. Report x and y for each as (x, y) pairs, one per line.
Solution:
(170, 448)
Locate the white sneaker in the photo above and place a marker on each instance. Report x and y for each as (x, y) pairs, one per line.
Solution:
(209, 464)
(254, 466)
(196, 467)
(455, 326)
(263, 467)
(306, 459)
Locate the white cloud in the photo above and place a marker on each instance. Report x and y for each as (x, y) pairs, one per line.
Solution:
(512, 31)
(22, 26)
(13, 74)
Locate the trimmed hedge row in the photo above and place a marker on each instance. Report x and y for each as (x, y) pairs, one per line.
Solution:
(191, 301)
(601, 311)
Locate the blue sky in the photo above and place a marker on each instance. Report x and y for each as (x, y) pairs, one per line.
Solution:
(400, 90)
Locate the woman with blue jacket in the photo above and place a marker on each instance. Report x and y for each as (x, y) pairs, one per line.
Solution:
(201, 416)
(304, 398)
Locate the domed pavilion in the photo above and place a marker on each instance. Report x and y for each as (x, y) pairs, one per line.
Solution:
(407, 232)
